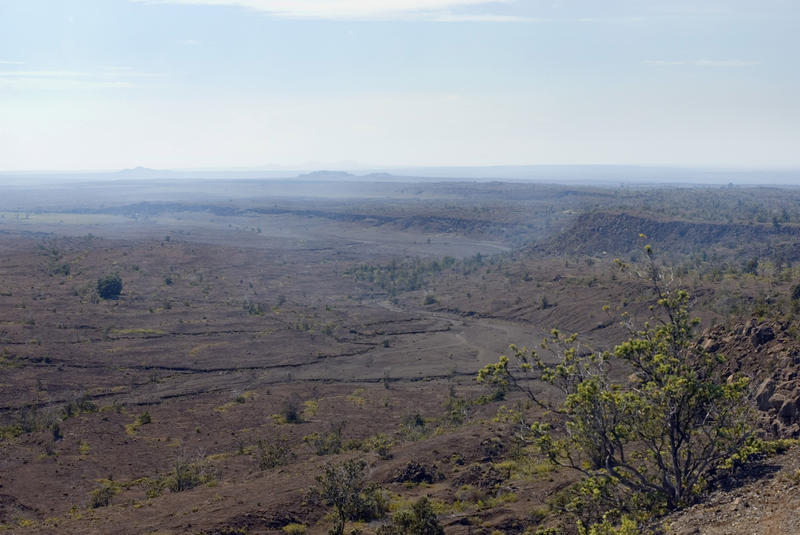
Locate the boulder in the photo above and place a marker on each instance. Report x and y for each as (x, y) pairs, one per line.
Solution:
(761, 335)
(764, 393)
(777, 401)
(787, 410)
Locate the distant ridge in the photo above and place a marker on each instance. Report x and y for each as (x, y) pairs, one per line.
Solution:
(615, 175)
(345, 176)
(145, 172)
(326, 175)
(615, 234)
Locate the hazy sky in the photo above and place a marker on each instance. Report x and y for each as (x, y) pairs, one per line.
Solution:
(105, 84)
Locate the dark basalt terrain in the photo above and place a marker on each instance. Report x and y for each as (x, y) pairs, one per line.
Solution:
(309, 323)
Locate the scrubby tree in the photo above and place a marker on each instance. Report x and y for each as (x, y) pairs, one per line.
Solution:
(109, 286)
(653, 441)
(344, 487)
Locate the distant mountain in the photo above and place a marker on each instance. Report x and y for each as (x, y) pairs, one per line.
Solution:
(145, 172)
(326, 175)
(343, 176)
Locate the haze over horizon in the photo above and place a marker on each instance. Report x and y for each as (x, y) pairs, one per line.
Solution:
(189, 84)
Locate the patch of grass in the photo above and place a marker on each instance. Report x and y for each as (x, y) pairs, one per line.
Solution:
(527, 466)
(357, 397)
(10, 431)
(142, 419)
(240, 399)
(310, 409)
(278, 419)
(380, 444)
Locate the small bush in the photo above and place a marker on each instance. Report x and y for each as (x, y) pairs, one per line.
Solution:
(414, 427)
(109, 286)
(329, 443)
(102, 497)
(380, 444)
(420, 520)
(294, 529)
(187, 475)
(292, 410)
(79, 406)
(274, 453)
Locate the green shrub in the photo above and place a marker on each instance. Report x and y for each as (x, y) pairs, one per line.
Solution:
(109, 286)
(329, 443)
(187, 475)
(274, 453)
(79, 406)
(102, 497)
(344, 487)
(420, 520)
(380, 444)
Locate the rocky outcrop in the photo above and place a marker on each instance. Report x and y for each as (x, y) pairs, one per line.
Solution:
(769, 353)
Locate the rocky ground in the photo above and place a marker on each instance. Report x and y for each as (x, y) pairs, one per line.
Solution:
(767, 505)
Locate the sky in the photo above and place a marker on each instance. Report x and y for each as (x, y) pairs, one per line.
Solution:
(182, 84)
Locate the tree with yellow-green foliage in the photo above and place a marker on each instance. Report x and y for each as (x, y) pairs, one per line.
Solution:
(653, 441)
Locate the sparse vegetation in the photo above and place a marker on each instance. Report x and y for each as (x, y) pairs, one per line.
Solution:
(652, 443)
(256, 347)
(420, 520)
